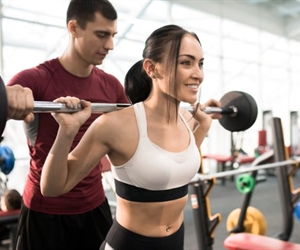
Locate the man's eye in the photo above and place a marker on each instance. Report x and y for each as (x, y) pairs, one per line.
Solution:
(101, 35)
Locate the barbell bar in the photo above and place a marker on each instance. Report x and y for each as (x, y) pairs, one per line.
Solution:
(238, 109)
(100, 108)
(202, 177)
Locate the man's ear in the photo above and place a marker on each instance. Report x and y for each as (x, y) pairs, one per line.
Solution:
(72, 27)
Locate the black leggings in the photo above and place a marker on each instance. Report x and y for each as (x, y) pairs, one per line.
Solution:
(119, 238)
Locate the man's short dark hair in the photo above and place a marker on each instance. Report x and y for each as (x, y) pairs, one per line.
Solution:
(83, 11)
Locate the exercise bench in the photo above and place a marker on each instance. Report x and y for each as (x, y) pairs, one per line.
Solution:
(248, 241)
(10, 220)
(222, 161)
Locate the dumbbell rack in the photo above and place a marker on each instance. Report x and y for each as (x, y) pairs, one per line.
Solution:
(205, 224)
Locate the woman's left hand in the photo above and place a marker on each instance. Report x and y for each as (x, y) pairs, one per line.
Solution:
(199, 111)
(212, 103)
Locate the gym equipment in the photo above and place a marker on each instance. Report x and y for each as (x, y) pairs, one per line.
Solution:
(3, 106)
(7, 160)
(288, 196)
(201, 185)
(239, 110)
(229, 162)
(254, 222)
(200, 177)
(245, 183)
(248, 241)
(297, 211)
(10, 219)
(246, 113)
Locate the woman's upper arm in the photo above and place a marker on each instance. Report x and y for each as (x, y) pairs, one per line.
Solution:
(91, 148)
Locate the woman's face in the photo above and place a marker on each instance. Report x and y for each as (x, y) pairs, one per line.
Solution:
(189, 74)
(189, 69)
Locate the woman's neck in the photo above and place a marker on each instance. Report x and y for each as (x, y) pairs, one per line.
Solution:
(161, 111)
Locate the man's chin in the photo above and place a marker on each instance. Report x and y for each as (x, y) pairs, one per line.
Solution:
(97, 63)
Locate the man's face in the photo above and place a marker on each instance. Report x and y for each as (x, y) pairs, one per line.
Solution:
(94, 42)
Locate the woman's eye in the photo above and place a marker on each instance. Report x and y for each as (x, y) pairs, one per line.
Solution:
(186, 63)
(200, 65)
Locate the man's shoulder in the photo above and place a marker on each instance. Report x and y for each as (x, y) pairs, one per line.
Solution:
(100, 73)
(51, 65)
(43, 70)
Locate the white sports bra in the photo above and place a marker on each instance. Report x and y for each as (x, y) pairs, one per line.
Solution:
(153, 168)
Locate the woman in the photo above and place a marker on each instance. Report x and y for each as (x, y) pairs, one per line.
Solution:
(153, 145)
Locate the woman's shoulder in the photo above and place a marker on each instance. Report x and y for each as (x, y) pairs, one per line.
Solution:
(117, 119)
(114, 126)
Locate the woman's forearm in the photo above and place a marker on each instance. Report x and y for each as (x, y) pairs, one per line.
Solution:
(54, 179)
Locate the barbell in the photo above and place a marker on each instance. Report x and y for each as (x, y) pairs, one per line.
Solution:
(100, 108)
(239, 109)
(202, 177)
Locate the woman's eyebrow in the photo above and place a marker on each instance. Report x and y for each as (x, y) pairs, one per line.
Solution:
(191, 56)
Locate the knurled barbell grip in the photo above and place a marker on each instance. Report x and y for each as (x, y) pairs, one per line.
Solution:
(100, 108)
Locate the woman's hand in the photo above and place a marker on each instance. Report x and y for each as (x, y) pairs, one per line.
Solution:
(212, 103)
(204, 120)
(199, 111)
(73, 119)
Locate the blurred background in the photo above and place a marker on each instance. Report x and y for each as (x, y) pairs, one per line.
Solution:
(249, 45)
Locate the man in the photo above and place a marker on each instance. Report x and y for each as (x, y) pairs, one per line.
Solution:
(16, 103)
(81, 218)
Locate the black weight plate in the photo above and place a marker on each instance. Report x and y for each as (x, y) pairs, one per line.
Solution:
(246, 114)
(3, 106)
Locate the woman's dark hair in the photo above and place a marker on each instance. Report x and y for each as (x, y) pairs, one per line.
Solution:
(83, 11)
(137, 84)
(165, 40)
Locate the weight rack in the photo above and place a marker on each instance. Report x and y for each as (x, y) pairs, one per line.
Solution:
(205, 224)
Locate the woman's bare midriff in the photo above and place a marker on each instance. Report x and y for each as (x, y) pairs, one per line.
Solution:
(152, 219)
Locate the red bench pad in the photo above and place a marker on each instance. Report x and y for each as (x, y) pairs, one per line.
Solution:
(247, 241)
(9, 217)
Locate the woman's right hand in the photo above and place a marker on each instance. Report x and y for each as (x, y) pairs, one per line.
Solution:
(73, 119)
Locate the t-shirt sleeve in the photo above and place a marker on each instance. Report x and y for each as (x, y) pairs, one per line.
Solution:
(29, 78)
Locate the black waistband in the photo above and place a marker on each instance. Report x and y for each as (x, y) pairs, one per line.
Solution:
(118, 237)
(132, 193)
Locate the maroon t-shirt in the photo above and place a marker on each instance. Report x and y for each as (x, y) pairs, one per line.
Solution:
(49, 81)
